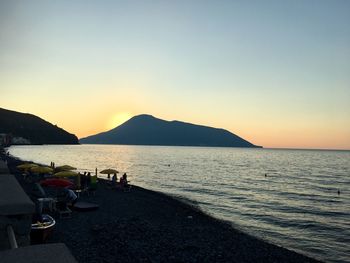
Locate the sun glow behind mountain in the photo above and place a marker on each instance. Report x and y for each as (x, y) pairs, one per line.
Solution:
(118, 119)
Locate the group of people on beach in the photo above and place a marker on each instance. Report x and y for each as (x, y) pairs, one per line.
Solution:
(123, 181)
(85, 180)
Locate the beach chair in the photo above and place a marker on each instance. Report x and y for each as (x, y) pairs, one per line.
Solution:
(39, 194)
(125, 187)
(63, 210)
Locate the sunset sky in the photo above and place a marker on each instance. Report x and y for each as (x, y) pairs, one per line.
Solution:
(276, 73)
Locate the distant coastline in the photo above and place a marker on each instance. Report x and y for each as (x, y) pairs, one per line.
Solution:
(19, 128)
(307, 149)
(166, 145)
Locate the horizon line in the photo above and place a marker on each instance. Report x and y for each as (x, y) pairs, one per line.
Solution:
(251, 148)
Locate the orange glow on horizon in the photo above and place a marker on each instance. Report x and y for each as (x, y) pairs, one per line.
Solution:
(99, 118)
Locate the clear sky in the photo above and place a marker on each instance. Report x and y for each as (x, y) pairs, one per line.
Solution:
(276, 73)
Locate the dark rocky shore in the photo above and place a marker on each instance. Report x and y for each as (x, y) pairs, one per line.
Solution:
(148, 226)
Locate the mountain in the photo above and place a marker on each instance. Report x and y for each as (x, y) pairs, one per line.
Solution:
(148, 130)
(24, 128)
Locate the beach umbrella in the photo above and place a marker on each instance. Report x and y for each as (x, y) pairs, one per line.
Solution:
(109, 171)
(56, 182)
(41, 170)
(66, 174)
(26, 166)
(65, 168)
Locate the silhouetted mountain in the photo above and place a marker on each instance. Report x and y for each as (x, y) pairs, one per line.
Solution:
(33, 129)
(148, 130)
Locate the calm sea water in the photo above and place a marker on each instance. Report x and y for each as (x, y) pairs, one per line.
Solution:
(296, 205)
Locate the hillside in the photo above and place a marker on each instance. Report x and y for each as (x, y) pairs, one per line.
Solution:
(148, 130)
(28, 128)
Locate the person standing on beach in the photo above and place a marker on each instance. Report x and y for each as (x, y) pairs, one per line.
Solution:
(83, 181)
(88, 180)
(114, 179)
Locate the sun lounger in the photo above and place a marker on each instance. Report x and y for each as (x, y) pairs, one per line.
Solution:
(85, 206)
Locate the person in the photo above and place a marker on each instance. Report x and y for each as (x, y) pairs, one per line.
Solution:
(124, 183)
(114, 179)
(36, 194)
(124, 180)
(71, 196)
(83, 181)
(38, 215)
(88, 180)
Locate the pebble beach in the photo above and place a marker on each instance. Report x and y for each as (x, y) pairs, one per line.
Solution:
(147, 226)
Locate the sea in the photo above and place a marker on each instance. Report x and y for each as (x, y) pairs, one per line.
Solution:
(297, 199)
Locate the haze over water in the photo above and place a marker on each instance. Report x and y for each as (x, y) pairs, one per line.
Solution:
(296, 205)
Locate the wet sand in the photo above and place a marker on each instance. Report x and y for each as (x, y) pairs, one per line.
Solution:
(148, 226)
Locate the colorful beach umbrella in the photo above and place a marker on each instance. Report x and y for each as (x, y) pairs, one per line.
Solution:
(26, 166)
(41, 170)
(55, 182)
(66, 174)
(109, 171)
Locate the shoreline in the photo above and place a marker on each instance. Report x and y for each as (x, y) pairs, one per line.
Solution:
(149, 226)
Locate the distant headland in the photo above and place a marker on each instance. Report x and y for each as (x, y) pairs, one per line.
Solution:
(24, 128)
(147, 130)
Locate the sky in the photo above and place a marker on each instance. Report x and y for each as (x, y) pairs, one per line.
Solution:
(276, 73)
